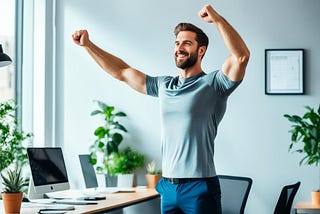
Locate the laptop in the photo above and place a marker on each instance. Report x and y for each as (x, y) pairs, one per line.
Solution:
(90, 178)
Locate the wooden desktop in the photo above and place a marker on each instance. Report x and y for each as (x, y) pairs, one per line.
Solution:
(306, 208)
(112, 202)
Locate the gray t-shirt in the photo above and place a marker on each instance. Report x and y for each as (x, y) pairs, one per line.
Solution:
(191, 109)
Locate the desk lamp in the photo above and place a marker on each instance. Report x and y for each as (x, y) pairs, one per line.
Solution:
(4, 58)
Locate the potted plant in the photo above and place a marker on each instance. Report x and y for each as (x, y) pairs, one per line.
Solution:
(305, 131)
(108, 138)
(11, 138)
(123, 164)
(153, 174)
(13, 185)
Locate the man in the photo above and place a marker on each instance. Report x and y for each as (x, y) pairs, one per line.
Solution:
(192, 106)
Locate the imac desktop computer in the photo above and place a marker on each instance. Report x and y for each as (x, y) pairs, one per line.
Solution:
(48, 171)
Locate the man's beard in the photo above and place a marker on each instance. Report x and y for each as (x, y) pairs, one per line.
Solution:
(189, 62)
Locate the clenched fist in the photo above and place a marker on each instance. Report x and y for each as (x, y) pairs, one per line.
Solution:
(208, 14)
(81, 37)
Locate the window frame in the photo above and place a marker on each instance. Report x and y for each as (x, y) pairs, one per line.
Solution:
(18, 58)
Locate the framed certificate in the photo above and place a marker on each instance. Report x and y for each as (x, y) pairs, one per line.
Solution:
(284, 71)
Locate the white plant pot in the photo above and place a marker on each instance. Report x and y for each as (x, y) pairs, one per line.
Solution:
(125, 180)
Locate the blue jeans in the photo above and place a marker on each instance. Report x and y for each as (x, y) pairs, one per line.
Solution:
(196, 197)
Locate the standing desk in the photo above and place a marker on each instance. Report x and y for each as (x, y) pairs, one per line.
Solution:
(112, 202)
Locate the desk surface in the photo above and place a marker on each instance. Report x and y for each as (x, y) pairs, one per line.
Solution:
(307, 207)
(113, 201)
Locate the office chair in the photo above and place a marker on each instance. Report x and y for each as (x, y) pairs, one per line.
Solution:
(234, 193)
(286, 197)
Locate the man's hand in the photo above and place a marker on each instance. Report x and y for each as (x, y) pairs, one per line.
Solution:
(208, 14)
(81, 37)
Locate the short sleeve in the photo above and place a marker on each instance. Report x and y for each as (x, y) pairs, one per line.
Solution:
(221, 83)
(152, 86)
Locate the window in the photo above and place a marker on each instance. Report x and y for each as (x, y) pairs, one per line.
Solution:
(27, 34)
(38, 76)
(7, 40)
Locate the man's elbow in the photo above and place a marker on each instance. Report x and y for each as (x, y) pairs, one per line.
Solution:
(121, 74)
(244, 58)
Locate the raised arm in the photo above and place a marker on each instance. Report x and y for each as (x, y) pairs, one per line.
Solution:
(111, 64)
(235, 65)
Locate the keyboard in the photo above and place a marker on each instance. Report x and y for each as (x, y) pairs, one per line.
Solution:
(109, 190)
(58, 207)
(65, 194)
(74, 202)
(48, 206)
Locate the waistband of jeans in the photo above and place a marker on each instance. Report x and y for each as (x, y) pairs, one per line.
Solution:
(187, 180)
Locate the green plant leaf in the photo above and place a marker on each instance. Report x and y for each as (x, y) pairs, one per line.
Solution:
(101, 105)
(117, 138)
(112, 147)
(93, 158)
(100, 132)
(101, 145)
(120, 114)
(96, 112)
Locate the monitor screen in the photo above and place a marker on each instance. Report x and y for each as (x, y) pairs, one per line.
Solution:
(48, 169)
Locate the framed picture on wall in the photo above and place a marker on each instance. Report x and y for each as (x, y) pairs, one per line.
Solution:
(284, 71)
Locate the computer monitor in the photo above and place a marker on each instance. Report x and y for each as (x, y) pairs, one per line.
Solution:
(48, 171)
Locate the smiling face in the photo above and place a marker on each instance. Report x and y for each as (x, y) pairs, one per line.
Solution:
(186, 52)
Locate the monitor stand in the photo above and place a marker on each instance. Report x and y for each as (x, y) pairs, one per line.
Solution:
(32, 193)
(40, 198)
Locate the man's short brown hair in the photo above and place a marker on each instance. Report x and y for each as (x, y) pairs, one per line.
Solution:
(201, 37)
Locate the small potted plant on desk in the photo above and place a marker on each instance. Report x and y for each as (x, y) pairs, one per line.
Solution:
(123, 164)
(13, 186)
(306, 131)
(153, 174)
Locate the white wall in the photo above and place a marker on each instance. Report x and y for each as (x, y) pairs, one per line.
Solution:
(253, 138)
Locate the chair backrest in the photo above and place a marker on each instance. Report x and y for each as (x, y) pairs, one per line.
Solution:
(234, 193)
(286, 197)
